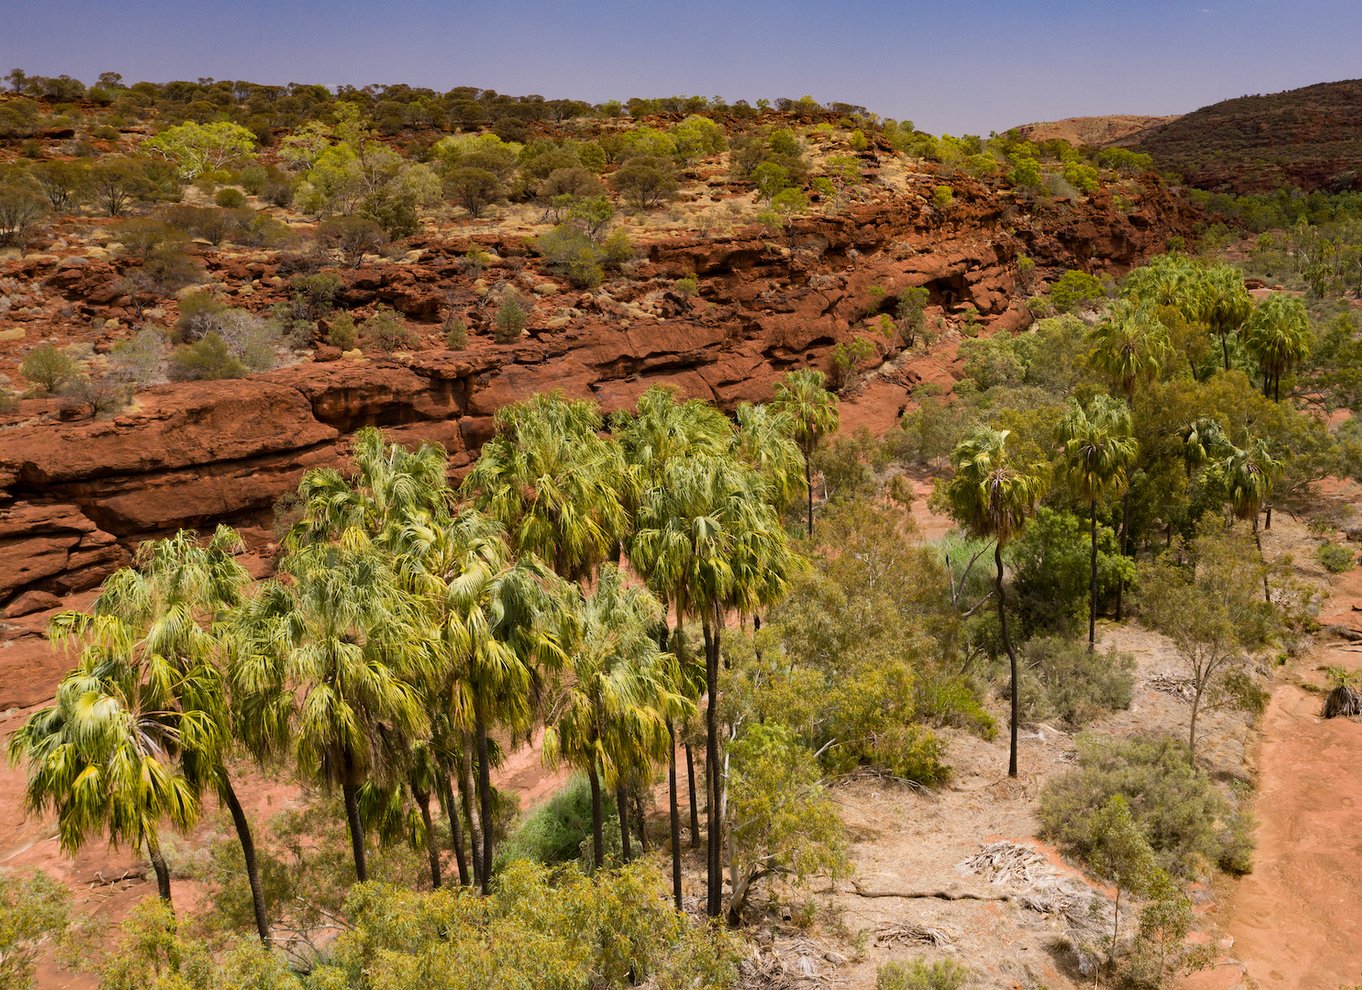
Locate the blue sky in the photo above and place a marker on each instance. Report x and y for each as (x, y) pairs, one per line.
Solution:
(959, 66)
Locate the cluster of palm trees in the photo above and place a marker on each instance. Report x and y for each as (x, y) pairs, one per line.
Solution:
(411, 625)
(992, 496)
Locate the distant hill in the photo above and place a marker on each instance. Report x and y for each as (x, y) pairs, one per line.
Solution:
(1092, 131)
(1309, 137)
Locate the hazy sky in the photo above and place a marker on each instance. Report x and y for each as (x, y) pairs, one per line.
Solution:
(960, 66)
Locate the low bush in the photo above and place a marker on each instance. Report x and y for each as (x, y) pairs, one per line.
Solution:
(921, 975)
(1336, 558)
(386, 331)
(230, 198)
(456, 332)
(207, 359)
(48, 367)
(1067, 682)
(512, 316)
(1188, 821)
(560, 829)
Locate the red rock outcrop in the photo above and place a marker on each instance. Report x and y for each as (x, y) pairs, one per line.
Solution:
(76, 497)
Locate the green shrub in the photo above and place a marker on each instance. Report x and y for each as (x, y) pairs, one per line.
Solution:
(1336, 558)
(943, 197)
(1188, 821)
(686, 286)
(512, 316)
(456, 332)
(1065, 680)
(230, 198)
(1074, 290)
(386, 331)
(1052, 561)
(48, 367)
(342, 332)
(314, 295)
(558, 830)
(921, 975)
(206, 359)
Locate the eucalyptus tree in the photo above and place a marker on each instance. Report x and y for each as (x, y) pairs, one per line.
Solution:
(1097, 450)
(1278, 337)
(709, 541)
(558, 486)
(803, 397)
(991, 499)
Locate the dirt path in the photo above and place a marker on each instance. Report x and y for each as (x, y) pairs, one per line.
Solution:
(1297, 919)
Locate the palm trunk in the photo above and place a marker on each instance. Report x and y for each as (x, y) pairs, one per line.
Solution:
(422, 799)
(351, 794)
(597, 818)
(1123, 542)
(641, 821)
(674, 816)
(445, 793)
(1011, 656)
(1225, 350)
(694, 804)
(485, 799)
(1258, 539)
(466, 794)
(158, 865)
(243, 834)
(808, 485)
(714, 864)
(622, 806)
(1092, 581)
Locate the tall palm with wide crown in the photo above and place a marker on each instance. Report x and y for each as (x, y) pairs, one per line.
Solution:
(1249, 472)
(611, 720)
(558, 486)
(991, 499)
(142, 725)
(709, 541)
(1098, 448)
(1278, 337)
(803, 397)
(342, 651)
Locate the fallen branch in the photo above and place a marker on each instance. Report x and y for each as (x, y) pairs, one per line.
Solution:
(939, 895)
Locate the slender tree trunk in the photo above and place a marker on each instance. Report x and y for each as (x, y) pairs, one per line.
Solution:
(674, 816)
(1258, 540)
(243, 835)
(1092, 582)
(713, 860)
(694, 804)
(466, 795)
(158, 866)
(597, 818)
(1267, 517)
(808, 484)
(622, 804)
(640, 818)
(485, 799)
(1011, 657)
(1191, 735)
(445, 794)
(1225, 350)
(1124, 543)
(351, 795)
(422, 799)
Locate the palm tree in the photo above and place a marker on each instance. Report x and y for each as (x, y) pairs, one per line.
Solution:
(612, 720)
(709, 541)
(1278, 337)
(993, 500)
(1221, 302)
(765, 443)
(1097, 451)
(559, 488)
(1131, 348)
(803, 398)
(661, 432)
(1249, 473)
(345, 651)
